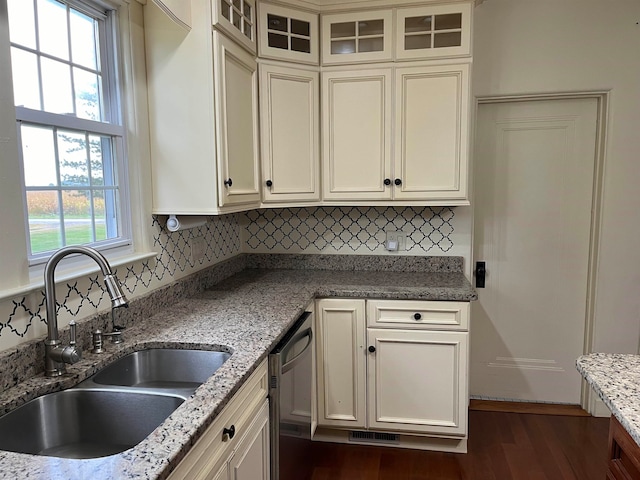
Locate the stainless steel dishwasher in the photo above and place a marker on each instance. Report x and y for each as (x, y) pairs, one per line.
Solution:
(290, 401)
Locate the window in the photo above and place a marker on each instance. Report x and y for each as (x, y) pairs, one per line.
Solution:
(70, 133)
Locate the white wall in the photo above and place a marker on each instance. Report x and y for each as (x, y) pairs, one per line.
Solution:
(546, 46)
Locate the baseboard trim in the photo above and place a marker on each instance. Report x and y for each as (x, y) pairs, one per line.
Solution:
(527, 407)
(415, 442)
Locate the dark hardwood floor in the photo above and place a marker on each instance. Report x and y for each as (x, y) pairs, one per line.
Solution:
(502, 446)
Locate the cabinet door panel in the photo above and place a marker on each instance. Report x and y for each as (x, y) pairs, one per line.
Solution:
(417, 381)
(237, 19)
(357, 134)
(433, 31)
(250, 460)
(288, 34)
(432, 126)
(341, 362)
(236, 82)
(290, 133)
(357, 37)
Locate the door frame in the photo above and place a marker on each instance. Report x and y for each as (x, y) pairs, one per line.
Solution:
(588, 401)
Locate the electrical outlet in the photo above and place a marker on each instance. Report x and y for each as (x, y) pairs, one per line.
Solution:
(395, 241)
(198, 248)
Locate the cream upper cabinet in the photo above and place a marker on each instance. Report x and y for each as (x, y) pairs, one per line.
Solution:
(357, 37)
(415, 356)
(356, 130)
(431, 140)
(290, 133)
(203, 115)
(236, 18)
(433, 31)
(236, 104)
(427, 108)
(288, 34)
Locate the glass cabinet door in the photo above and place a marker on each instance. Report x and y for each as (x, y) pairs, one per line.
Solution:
(288, 34)
(237, 18)
(356, 37)
(427, 32)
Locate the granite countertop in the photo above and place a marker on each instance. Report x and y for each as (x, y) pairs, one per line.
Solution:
(246, 314)
(616, 379)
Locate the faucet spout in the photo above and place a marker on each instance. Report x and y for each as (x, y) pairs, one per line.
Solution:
(56, 355)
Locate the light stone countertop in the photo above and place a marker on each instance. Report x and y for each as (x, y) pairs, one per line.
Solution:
(246, 314)
(616, 379)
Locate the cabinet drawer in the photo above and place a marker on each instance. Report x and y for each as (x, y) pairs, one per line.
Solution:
(418, 314)
(212, 449)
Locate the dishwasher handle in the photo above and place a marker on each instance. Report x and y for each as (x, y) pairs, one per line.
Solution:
(295, 360)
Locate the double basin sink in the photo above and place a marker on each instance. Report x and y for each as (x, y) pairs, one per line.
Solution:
(113, 410)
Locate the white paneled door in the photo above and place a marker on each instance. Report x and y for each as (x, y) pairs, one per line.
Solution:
(534, 175)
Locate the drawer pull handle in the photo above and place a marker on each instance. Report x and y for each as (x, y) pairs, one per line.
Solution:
(417, 316)
(228, 433)
(372, 349)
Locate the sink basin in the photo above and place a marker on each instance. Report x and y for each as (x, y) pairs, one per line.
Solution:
(161, 368)
(84, 423)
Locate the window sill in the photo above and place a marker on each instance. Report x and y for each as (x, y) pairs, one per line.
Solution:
(71, 274)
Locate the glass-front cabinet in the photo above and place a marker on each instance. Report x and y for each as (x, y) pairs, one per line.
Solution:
(357, 37)
(237, 18)
(288, 34)
(435, 31)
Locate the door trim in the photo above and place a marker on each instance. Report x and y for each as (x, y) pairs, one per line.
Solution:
(603, 102)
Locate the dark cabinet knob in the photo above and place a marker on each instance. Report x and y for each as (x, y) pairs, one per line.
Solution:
(417, 316)
(228, 433)
(387, 181)
(397, 181)
(268, 183)
(372, 349)
(228, 183)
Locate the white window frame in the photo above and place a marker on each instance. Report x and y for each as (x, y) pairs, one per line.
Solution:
(112, 127)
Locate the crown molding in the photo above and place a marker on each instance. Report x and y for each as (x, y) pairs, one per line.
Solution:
(323, 6)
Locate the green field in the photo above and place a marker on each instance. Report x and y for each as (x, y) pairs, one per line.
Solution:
(44, 239)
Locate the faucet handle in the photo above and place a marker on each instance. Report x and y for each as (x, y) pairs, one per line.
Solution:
(71, 354)
(72, 333)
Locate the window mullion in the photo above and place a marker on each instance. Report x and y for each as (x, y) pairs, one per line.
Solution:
(56, 152)
(71, 76)
(90, 190)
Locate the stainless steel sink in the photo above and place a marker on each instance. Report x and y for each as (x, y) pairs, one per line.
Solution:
(162, 369)
(84, 423)
(111, 411)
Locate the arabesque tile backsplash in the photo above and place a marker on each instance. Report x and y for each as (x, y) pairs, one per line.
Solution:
(328, 230)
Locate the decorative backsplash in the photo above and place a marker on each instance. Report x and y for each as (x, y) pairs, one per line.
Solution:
(23, 318)
(433, 231)
(350, 230)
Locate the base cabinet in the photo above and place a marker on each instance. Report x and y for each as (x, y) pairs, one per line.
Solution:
(250, 461)
(236, 445)
(417, 381)
(624, 454)
(393, 366)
